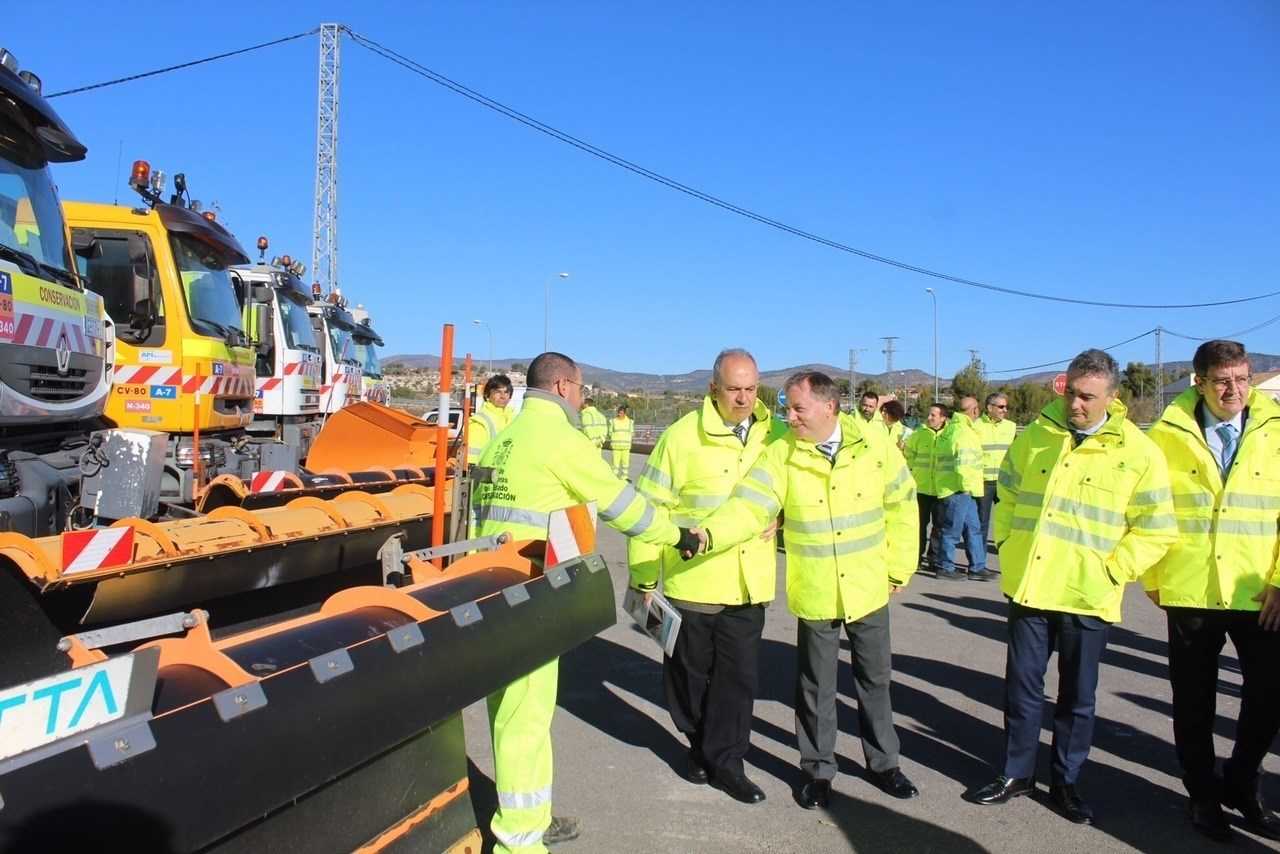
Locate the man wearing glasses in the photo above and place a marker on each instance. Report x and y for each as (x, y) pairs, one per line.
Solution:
(1222, 443)
(997, 432)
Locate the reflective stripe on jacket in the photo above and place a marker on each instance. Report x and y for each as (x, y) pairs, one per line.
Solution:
(1075, 524)
(486, 422)
(620, 430)
(594, 425)
(691, 472)
(851, 527)
(542, 462)
(996, 437)
(1228, 545)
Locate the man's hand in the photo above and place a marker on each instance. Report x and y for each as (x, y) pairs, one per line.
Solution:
(1154, 596)
(1269, 616)
(767, 533)
(893, 589)
(692, 541)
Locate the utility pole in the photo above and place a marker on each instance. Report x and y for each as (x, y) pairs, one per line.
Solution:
(853, 372)
(1159, 370)
(973, 356)
(324, 246)
(888, 352)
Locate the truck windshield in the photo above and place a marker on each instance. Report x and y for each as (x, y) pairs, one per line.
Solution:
(340, 341)
(206, 283)
(30, 216)
(367, 355)
(298, 334)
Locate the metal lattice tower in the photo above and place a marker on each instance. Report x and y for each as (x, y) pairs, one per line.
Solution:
(888, 352)
(324, 248)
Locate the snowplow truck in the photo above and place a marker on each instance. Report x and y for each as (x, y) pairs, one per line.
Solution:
(335, 327)
(374, 387)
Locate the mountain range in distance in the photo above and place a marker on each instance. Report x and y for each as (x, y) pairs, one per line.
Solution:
(694, 382)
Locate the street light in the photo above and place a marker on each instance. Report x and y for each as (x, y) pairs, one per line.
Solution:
(546, 315)
(936, 392)
(490, 330)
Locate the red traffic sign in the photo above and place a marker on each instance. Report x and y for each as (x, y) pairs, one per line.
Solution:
(1060, 384)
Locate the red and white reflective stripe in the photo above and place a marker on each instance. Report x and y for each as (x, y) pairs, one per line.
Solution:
(39, 331)
(146, 374)
(268, 481)
(571, 533)
(84, 551)
(269, 384)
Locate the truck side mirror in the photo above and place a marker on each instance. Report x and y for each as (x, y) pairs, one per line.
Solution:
(140, 296)
(85, 246)
(260, 323)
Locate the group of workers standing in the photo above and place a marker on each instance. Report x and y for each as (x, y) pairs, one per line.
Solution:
(1080, 503)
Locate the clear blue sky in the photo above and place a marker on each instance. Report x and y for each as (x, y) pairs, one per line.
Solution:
(1116, 151)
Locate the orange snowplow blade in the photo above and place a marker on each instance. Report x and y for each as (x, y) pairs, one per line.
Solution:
(368, 435)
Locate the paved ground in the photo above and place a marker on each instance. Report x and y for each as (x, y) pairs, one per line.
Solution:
(617, 753)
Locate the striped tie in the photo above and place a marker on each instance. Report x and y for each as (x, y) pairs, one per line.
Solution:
(1227, 432)
(741, 432)
(828, 450)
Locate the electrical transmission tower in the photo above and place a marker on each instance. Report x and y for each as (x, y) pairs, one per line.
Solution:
(853, 372)
(888, 352)
(324, 247)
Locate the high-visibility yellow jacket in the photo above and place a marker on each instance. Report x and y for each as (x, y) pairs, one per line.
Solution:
(691, 472)
(851, 527)
(946, 461)
(542, 462)
(896, 430)
(620, 430)
(1075, 524)
(996, 437)
(1228, 546)
(594, 425)
(486, 422)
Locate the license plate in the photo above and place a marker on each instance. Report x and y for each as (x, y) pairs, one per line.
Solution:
(53, 708)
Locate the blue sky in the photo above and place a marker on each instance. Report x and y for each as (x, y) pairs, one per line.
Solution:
(1113, 151)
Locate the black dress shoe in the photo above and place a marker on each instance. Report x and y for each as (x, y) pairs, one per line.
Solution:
(695, 771)
(738, 787)
(981, 575)
(1000, 790)
(1068, 801)
(949, 575)
(561, 829)
(814, 793)
(1208, 819)
(1257, 818)
(894, 782)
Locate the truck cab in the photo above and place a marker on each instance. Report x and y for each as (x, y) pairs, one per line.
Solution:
(335, 327)
(54, 343)
(183, 361)
(289, 360)
(374, 387)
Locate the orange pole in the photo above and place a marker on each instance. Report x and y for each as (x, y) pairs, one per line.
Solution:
(442, 441)
(466, 408)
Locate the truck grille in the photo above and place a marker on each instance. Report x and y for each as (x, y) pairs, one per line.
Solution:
(33, 371)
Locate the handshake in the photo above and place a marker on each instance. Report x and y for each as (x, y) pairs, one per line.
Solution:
(693, 541)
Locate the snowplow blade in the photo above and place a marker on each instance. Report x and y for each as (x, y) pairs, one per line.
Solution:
(332, 732)
(273, 488)
(368, 436)
(193, 562)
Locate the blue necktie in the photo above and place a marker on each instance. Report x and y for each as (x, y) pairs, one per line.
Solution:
(741, 432)
(828, 450)
(1227, 432)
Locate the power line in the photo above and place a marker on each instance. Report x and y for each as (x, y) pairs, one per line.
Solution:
(131, 77)
(1069, 358)
(582, 145)
(1263, 325)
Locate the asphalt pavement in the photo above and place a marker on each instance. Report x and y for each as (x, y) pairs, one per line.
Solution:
(618, 757)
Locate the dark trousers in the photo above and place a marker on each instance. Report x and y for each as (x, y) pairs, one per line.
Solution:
(711, 680)
(985, 505)
(1196, 637)
(818, 645)
(1033, 637)
(930, 515)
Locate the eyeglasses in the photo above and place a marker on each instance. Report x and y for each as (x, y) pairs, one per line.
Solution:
(1223, 383)
(1000, 405)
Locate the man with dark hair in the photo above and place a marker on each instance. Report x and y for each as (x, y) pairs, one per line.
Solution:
(922, 457)
(996, 432)
(621, 430)
(893, 412)
(710, 678)
(1084, 509)
(868, 405)
(1222, 443)
(848, 502)
(594, 425)
(490, 417)
(541, 463)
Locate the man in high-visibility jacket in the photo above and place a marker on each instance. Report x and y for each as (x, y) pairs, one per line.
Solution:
(541, 462)
(710, 679)
(1222, 443)
(621, 429)
(594, 425)
(922, 461)
(850, 524)
(996, 432)
(960, 479)
(942, 456)
(892, 412)
(1084, 509)
(869, 409)
(490, 417)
